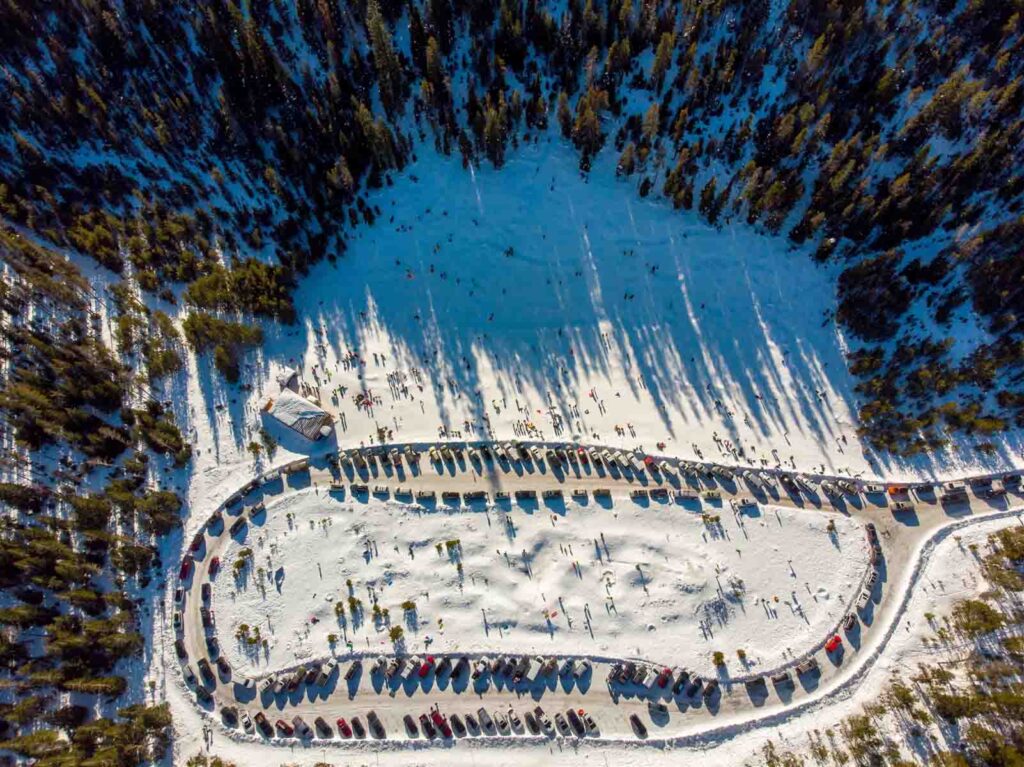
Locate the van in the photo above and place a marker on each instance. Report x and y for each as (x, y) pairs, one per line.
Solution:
(806, 666)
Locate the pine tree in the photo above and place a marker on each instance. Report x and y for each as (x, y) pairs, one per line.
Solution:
(662, 60)
(707, 200)
(417, 38)
(627, 161)
(564, 114)
(389, 68)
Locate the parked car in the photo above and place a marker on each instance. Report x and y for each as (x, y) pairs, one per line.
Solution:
(682, 677)
(577, 724)
(354, 669)
(247, 725)
(638, 726)
(443, 666)
(458, 726)
(461, 666)
(179, 648)
(177, 620)
(357, 727)
(206, 670)
(567, 667)
(542, 719)
(190, 675)
(426, 666)
(486, 723)
(588, 720)
(212, 646)
(782, 679)
(223, 666)
(323, 729)
(710, 688)
(326, 671)
(501, 722)
(284, 728)
(440, 722)
(531, 723)
(563, 726)
(214, 566)
(695, 684)
(663, 678)
(582, 669)
(514, 720)
(301, 728)
(343, 728)
(376, 726)
(427, 727)
(312, 673)
(410, 726)
(263, 723)
(267, 684)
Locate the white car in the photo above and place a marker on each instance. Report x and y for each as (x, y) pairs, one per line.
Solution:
(582, 669)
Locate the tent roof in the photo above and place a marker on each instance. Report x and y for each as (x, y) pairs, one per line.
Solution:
(299, 414)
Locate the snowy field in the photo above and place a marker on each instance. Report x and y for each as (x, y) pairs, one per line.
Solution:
(532, 302)
(621, 582)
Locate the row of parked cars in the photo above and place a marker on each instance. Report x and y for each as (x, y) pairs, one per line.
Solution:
(297, 727)
(314, 674)
(518, 668)
(677, 681)
(534, 722)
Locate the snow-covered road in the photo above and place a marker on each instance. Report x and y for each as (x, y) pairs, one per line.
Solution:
(906, 542)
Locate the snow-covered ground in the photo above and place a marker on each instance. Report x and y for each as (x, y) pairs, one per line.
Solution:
(628, 582)
(529, 301)
(533, 302)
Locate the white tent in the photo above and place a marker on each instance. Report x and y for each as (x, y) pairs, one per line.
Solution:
(286, 377)
(300, 414)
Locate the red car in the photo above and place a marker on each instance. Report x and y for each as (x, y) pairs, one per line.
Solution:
(441, 723)
(214, 565)
(834, 643)
(284, 727)
(186, 568)
(343, 728)
(664, 677)
(427, 665)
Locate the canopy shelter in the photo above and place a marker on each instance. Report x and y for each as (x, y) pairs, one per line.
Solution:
(299, 414)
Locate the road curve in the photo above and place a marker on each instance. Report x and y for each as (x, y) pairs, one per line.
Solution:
(906, 539)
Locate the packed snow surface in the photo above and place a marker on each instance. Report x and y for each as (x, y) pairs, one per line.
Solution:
(661, 584)
(532, 302)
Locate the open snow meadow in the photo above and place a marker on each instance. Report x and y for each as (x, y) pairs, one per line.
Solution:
(533, 302)
(656, 583)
